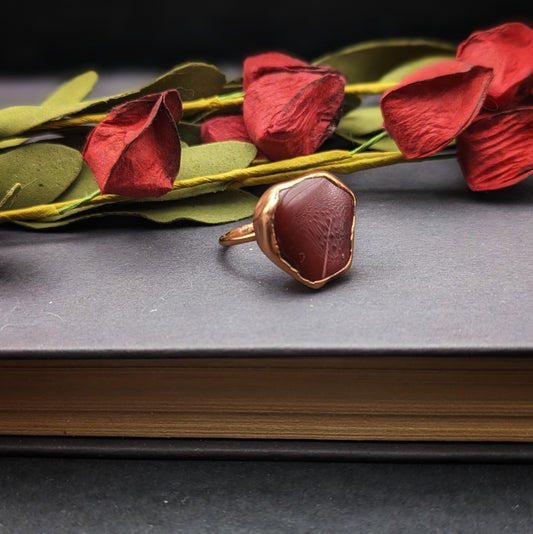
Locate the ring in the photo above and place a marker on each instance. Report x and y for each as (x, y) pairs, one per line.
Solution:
(305, 226)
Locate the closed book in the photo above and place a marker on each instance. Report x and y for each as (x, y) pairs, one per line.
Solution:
(117, 328)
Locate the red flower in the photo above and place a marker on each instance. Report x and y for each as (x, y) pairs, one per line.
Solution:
(497, 149)
(493, 72)
(432, 106)
(135, 151)
(255, 66)
(226, 128)
(290, 108)
(508, 50)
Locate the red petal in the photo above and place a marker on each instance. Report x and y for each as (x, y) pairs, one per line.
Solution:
(496, 150)
(291, 113)
(432, 106)
(135, 151)
(225, 128)
(256, 66)
(508, 50)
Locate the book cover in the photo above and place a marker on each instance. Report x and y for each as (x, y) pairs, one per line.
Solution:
(118, 328)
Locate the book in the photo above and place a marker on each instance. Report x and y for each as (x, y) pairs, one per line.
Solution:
(122, 328)
(376, 398)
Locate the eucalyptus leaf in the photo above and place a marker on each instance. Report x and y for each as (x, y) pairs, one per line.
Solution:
(369, 61)
(203, 160)
(207, 160)
(7, 198)
(215, 158)
(10, 142)
(44, 170)
(75, 90)
(192, 80)
(217, 208)
(17, 120)
(360, 122)
(83, 185)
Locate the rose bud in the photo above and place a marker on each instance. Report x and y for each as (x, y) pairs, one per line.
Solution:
(431, 106)
(496, 150)
(226, 128)
(135, 151)
(508, 50)
(256, 66)
(290, 109)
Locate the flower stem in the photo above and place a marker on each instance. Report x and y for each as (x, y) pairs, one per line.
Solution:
(235, 94)
(373, 88)
(370, 142)
(78, 202)
(218, 102)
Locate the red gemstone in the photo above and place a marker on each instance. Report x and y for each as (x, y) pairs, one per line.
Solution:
(313, 226)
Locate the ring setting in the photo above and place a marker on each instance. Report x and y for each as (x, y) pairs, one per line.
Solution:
(304, 226)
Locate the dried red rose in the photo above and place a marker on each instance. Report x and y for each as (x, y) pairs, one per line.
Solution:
(486, 106)
(256, 66)
(496, 150)
(290, 109)
(135, 151)
(508, 50)
(429, 108)
(226, 128)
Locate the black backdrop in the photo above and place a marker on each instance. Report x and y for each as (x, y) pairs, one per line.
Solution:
(158, 34)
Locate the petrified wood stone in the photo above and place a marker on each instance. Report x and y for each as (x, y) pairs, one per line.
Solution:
(313, 225)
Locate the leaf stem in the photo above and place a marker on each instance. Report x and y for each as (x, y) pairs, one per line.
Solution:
(370, 142)
(217, 102)
(78, 202)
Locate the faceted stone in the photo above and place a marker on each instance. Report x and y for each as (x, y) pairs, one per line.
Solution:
(313, 226)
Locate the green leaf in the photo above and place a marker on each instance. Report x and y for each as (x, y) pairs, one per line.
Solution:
(213, 208)
(360, 122)
(401, 71)
(369, 61)
(83, 185)
(65, 100)
(215, 158)
(192, 80)
(75, 90)
(16, 120)
(207, 160)
(202, 160)
(8, 197)
(10, 142)
(44, 171)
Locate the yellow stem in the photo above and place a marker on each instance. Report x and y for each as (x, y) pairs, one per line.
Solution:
(214, 103)
(342, 166)
(50, 210)
(340, 161)
(373, 88)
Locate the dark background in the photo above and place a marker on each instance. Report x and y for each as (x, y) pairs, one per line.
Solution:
(158, 34)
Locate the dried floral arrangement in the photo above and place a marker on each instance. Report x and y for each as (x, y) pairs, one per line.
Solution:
(190, 144)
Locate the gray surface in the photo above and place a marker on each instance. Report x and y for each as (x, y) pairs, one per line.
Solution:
(132, 496)
(436, 267)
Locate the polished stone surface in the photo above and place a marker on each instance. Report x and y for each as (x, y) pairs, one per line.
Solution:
(313, 224)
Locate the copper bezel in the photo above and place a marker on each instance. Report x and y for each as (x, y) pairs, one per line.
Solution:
(265, 232)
